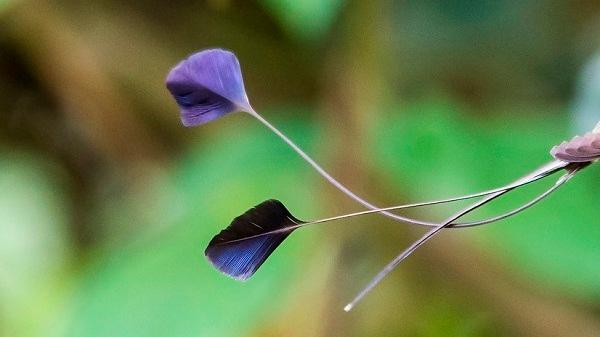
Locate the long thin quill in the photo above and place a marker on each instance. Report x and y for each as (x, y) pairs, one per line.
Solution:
(541, 173)
(431, 233)
(241, 248)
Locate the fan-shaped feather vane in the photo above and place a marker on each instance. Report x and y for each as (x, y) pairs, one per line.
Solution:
(580, 149)
(241, 248)
(207, 85)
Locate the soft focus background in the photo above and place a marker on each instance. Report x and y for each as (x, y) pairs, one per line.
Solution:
(107, 201)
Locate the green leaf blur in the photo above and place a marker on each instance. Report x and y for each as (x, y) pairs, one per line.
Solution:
(107, 202)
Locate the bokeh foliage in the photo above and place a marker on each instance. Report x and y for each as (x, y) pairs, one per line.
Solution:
(107, 202)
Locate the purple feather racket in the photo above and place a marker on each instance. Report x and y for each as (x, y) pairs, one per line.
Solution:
(208, 85)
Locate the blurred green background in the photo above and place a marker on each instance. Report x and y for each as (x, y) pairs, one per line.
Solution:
(107, 201)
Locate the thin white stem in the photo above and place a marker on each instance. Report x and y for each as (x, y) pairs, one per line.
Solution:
(435, 202)
(431, 233)
(538, 174)
(318, 168)
(563, 179)
(396, 261)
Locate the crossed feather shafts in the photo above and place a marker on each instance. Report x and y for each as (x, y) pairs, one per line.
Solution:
(208, 85)
(241, 248)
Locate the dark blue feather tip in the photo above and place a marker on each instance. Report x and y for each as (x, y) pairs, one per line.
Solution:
(241, 248)
(207, 85)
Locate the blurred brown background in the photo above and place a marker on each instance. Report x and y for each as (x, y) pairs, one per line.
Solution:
(107, 201)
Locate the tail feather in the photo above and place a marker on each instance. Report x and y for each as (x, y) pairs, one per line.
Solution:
(241, 248)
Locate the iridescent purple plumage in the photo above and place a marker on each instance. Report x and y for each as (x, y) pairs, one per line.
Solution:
(207, 85)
